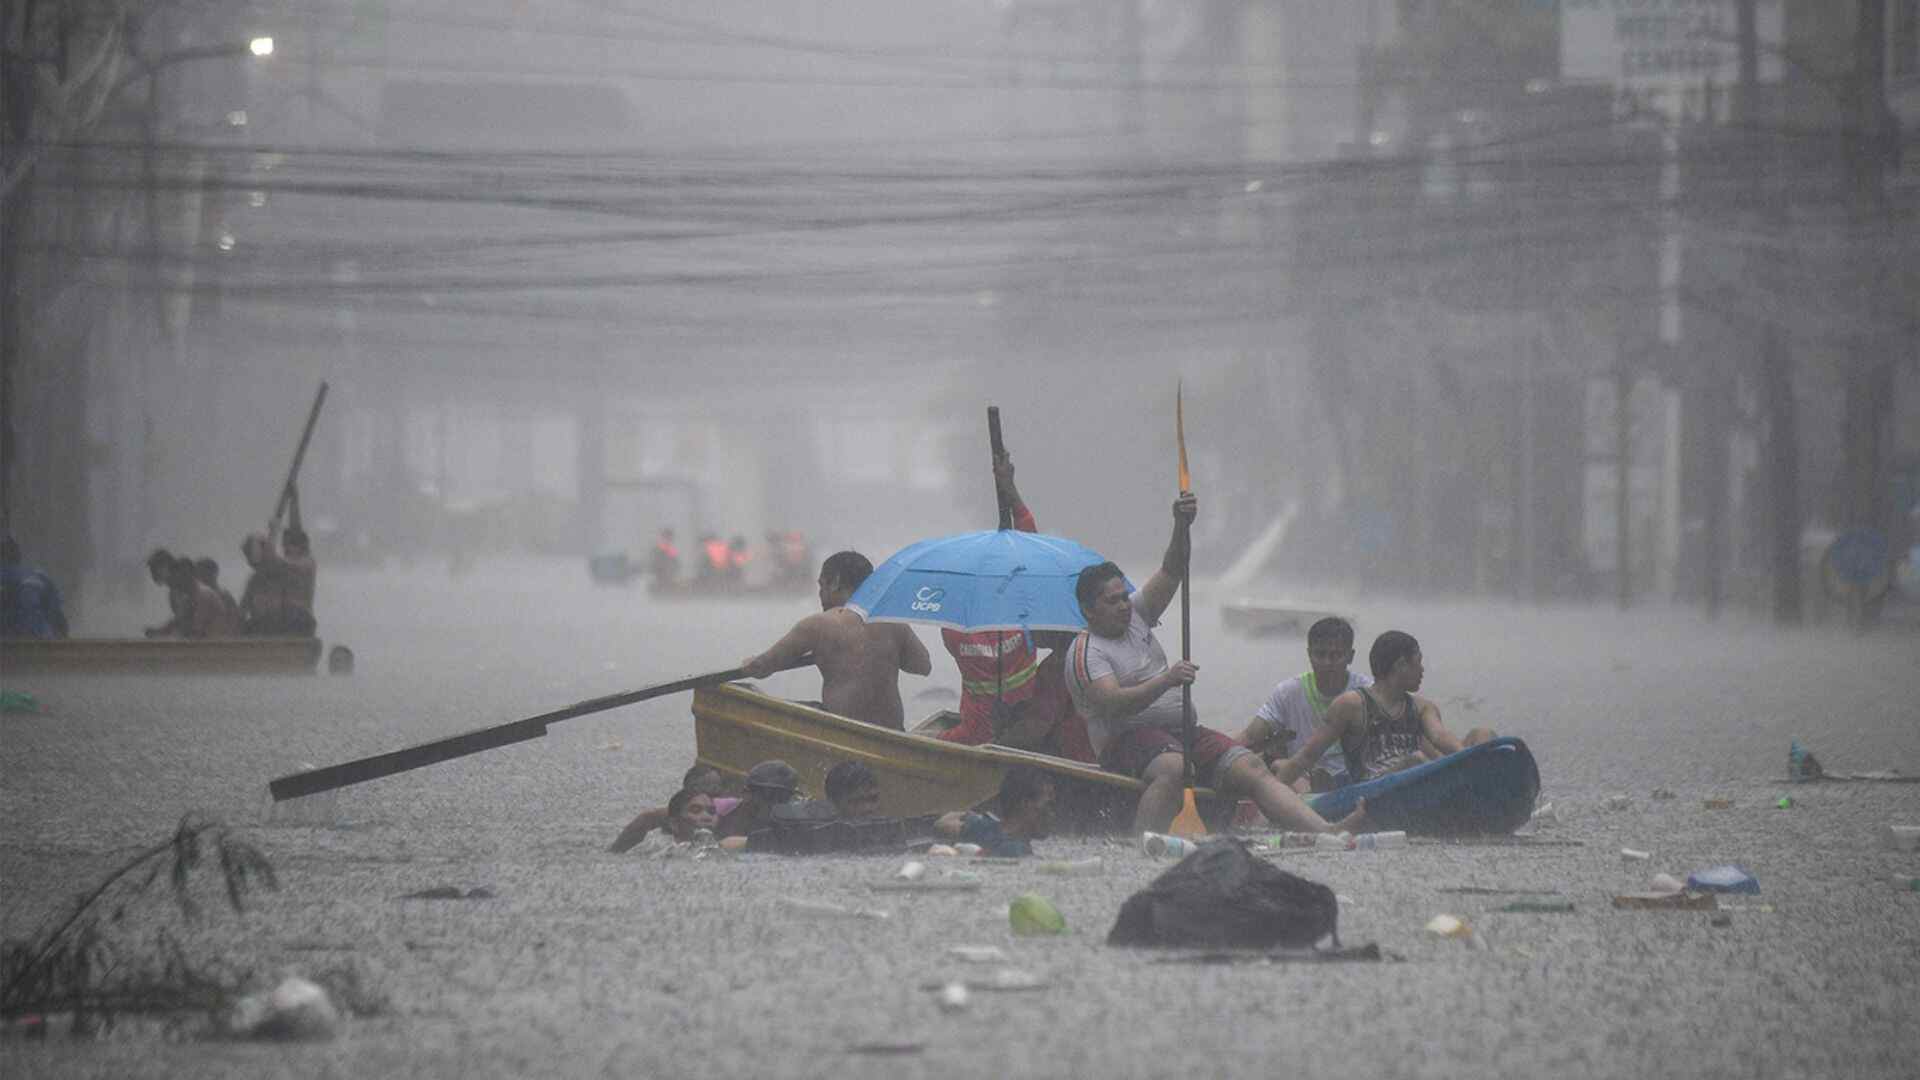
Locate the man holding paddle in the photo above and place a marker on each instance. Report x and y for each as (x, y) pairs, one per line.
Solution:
(1119, 677)
(278, 599)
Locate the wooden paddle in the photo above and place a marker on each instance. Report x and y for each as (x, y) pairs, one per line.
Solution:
(299, 455)
(314, 781)
(1187, 822)
(999, 451)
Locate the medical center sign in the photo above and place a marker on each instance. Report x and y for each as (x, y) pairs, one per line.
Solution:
(1664, 58)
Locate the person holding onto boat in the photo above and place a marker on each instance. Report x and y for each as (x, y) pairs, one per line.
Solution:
(688, 814)
(29, 600)
(701, 778)
(1008, 694)
(278, 599)
(1122, 682)
(1026, 815)
(1298, 706)
(860, 662)
(1382, 728)
(853, 790)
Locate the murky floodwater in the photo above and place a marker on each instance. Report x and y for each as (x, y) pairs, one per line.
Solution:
(589, 962)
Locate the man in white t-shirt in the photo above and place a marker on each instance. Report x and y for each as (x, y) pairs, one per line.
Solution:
(1122, 682)
(1298, 706)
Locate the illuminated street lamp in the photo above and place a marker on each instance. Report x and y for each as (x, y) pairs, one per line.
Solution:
(261, 46)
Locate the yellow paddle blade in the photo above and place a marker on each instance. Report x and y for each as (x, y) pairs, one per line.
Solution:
(1180, 436)
(1187, 823)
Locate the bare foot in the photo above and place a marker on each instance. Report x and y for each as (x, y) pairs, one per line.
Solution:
(1356, 822)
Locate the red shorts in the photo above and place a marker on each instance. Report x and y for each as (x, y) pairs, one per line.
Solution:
(1131, 752)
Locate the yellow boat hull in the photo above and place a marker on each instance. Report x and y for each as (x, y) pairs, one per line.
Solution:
(736, 728)
(161, 656)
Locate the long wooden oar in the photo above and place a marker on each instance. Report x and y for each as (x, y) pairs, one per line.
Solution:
(342, 775)
(1188, 821)
(299, 455)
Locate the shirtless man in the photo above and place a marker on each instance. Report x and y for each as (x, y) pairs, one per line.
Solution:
(860, 662)
(1381, 728)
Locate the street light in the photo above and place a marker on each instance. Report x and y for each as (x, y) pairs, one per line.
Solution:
(261, 46)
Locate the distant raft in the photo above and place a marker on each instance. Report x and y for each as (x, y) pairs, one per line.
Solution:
(1488, 788)
(161, 656)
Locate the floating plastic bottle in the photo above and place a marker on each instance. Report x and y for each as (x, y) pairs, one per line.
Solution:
(1333, 841)
(1291, 840)
(1162, 846)
(1380, 841)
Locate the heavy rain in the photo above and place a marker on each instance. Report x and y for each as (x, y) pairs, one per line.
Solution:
(520, 369)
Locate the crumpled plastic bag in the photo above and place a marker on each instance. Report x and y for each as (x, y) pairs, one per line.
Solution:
(1221, 896)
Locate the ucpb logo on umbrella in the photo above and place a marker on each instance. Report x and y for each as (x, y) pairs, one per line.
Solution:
(928, 598)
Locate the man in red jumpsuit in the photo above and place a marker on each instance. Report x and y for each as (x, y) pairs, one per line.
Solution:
(1008, 694)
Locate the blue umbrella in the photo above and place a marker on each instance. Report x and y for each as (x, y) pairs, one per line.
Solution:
(1000, 579)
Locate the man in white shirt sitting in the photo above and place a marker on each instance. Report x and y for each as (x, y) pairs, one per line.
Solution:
(1298, 706)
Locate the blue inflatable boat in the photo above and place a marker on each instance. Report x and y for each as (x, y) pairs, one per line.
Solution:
(1488, 788)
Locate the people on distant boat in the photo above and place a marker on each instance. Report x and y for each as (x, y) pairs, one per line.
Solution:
(208, 571)
(853, 790)
(792, 558)
(278, 599)
(860, 662)
(202, 614)
(1298, 706)
(29, 600)
(665, 564)
(160, 569)
(1026, 815)
(713, 562)
(738, 558)
(1385, 727)
(1122, 682)
(1007, 694)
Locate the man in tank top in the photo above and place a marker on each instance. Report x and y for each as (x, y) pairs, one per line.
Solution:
(1379, 728)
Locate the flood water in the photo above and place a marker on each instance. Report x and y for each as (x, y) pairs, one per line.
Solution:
(592, 964)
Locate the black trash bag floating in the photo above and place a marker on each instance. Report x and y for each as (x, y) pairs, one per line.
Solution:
(1221, 896)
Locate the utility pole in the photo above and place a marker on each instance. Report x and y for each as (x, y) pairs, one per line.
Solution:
(1783, 456)
(1869, 380)
(1623, 479)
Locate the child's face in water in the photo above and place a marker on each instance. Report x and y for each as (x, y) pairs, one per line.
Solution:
(696, 815)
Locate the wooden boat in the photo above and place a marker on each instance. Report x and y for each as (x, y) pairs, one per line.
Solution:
(161, 656)
(1262, 620)
(737, 727)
